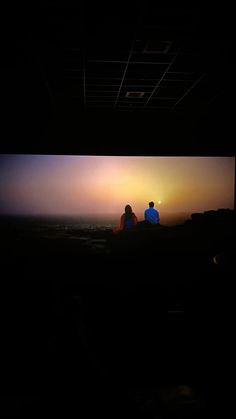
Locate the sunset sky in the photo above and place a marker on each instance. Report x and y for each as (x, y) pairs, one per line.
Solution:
(47, 184)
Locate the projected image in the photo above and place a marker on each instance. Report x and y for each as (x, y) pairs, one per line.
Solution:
(99, 187)
(65, 209)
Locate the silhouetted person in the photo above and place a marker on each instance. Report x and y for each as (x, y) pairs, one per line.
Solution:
(128, 220)
(151, 214)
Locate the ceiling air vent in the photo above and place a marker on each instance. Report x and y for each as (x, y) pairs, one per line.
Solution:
(157, 47)
(135, 94)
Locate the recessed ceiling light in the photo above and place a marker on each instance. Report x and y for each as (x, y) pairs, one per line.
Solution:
(157, 47)
(135, 94)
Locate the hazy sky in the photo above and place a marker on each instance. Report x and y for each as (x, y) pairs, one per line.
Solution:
(43, 184)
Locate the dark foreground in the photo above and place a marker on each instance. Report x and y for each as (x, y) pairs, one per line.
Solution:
(136, 325)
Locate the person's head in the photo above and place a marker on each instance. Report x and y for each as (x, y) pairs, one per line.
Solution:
(128, 209)
(151, 204)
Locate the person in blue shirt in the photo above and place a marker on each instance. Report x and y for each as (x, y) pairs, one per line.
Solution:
(151, 214)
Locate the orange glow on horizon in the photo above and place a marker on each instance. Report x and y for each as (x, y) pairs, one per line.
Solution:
(104, 185)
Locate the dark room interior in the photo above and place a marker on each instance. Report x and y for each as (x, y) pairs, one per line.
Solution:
(117, 334)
